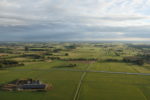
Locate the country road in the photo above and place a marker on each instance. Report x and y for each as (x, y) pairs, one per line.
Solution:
(78, 70)
(109, 72)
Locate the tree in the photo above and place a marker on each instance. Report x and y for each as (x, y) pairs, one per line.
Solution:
(1, 65)
(66, 54)
(26, 48)
(140, 62)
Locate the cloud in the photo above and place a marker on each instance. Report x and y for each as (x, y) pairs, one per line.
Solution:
(74, 19)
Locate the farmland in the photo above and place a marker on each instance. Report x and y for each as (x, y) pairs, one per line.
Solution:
(78, 71)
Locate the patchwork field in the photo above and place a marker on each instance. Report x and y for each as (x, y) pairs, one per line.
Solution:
(85, 72)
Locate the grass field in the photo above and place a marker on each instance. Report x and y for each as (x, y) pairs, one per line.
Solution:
(65, 80)
(96, 86)
(115, 87)
(64, 84)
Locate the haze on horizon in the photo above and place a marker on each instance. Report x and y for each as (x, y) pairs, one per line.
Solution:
(74, 20)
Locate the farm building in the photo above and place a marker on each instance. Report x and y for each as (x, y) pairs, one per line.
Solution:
(26, 84)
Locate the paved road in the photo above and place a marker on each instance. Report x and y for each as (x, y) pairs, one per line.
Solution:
(78, 70)
(109, 72)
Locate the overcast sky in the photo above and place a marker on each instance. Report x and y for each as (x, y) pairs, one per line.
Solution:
(74, 20)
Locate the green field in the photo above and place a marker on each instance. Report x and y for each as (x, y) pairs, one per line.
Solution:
(65, 80)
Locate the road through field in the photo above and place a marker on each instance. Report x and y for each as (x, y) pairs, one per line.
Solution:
(76, 96)
(96, 84)
(109, 72)
(77, 70)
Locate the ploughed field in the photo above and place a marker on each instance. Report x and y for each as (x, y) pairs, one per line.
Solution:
(87, 72)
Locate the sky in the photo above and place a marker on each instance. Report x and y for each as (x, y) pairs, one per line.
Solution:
(74, 20)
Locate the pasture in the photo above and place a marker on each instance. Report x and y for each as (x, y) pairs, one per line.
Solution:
(52, 67)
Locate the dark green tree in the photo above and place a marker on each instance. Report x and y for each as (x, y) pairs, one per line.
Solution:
(26, 48)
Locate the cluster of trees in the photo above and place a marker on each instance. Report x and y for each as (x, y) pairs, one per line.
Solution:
(48, 54)
(135, 60)
(99, 45)
(51, 54)
(35, 49)
(26, 48)
(146, 57)
(5, 50)
(139, 46)
(54, 58)
(57, 50)
(33, 56)
(117, 54)
(71, 47)
(140, 59)
(9, 63)
(112, 60)
(66, 54)
(80, 59)
(69, 65)
(104, 45)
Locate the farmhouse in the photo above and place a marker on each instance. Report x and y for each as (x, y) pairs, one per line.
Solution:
(26, 84)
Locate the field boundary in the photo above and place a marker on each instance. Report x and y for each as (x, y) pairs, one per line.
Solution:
(79, 86)
(77, 70)
(109, 72)
(76, 96)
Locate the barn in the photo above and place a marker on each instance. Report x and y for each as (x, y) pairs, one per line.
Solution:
(33, 86)
(30, 84)
(26, 84)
